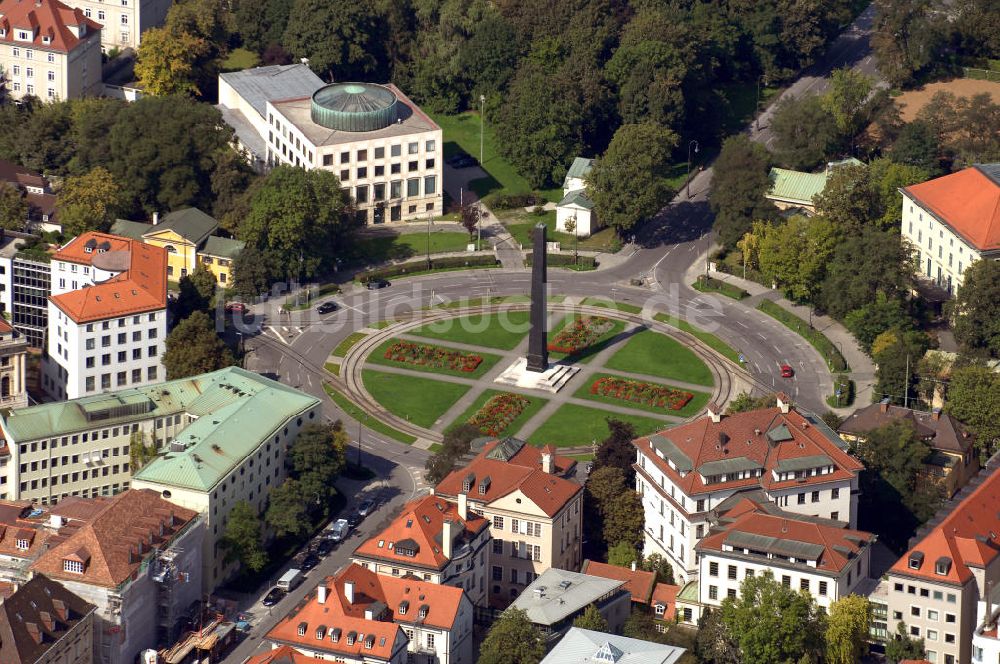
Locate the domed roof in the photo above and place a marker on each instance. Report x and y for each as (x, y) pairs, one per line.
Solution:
(354, 106)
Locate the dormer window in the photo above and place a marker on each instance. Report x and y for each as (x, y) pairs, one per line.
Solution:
(370, 642)
(916, 560)
(351, 636)
(72, 566)
(23, 35)
(23, 544)
(403, 607)
(335, 634)
(942, 566)
(468, 482)
(660, 609)
(422, 613)
(302, 628)
(320, 632)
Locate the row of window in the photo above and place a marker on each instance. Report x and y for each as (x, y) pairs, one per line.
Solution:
(123, 18)
(516, 576)
(122, 356)
(29, 72)
(91, 342)
(30, 89)
(805, 584)
(378, 190)
(68, 459)
(72, 478)
(937, 595)
(100, 434)
(361, 173)
(89, 381)
(361, 156)
(30, 54)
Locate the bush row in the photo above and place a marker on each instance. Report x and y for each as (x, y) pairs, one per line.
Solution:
(566, 260)
(816, 338)
(505, 201)
(410, 267)
(713, 285)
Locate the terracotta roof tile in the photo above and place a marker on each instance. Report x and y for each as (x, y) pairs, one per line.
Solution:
(639, 583)
(665, 595)
(284, 655)
(941, 430)
(967, 201)
(36, 616)
(49, 19)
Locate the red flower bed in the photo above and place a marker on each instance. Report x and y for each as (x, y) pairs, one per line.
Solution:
(580, 334)
(647, 394)
(425, 355)
(498, 413)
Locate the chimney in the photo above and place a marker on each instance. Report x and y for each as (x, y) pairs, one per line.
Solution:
(349, 591)
(883, 405)
(936, 414)
(156, 218)
(62, 610)
(714, 412)
(33, 631)
(547, 459)
(446, 536)
(783, 402)
(321, 593)
(47, 620)
(463, 506)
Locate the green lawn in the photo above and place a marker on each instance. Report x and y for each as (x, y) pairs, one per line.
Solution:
(656, 354)
(611, 304)
(419, 400)
(381, 248)
(574, 425)
(587, 354)
(461, 132)
(707, 338)
(377, 356)
(348, 343)
(503, 329)
(333, 368)
(692, 407)
(534, 406)
(382, 324)
(520, 225)
(367, 420)
(487, 301)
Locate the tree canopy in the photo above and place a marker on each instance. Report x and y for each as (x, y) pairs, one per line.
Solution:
(193, 347)
(612, 512)
(973, 397)
(243, 537)
(591, 619)
(617, 449)
(805, 134)
(975, 311)
(848, 630)
(89, 202)
(512, 639)
(13, 208)
(739, 184)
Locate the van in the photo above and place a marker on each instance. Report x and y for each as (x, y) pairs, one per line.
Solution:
(290, 580)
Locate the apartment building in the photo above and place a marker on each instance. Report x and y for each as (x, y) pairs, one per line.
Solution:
(685, 472)
(935, 587)
(107, 316)
(124, 21)
(25, 285)
(43, 623)
(434, 540)
(360, 616)
(533, 511)
(952, 221)
(49, 50)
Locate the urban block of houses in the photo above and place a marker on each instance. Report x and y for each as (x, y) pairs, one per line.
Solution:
(575, 206)
(558, 596)
(954, 461)
(189, 238)
(584, 646)
(433, 540)
(951, 566)
(49, 50)
(360, 616)
(44, 623)
(952, 221)
(138, 560)
(533, 511)
(795, 190)
(658, 599)
(107, 316)
(797, 461)
(386, 152)
(37, 194)
(124, 23)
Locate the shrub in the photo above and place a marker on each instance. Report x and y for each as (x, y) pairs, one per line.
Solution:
(418, 266)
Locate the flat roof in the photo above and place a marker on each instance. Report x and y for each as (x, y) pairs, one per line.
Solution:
(558, 593)
(259, 85)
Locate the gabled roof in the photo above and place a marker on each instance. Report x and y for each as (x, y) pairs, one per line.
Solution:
(665, 595)
(639, 583)
(422, 523)
(20, 176)
(580, 168)
(190, 223)
(130, 229)
(113, 544)
(35, 617)
(584, 646)
(222, 247)
(577, 197)
(968, 202)
(940, 429)
(50, 20)
(795, 186)
(284, 655)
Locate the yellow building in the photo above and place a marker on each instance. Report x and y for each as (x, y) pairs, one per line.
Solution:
(187, 235)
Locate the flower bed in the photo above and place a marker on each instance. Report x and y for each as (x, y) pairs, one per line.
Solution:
(498, 413)
(648, 394)
(580, 334)
(425, 355)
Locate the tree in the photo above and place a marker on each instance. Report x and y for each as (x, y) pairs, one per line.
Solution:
(456, 444)
(905, 40)
(318, 456)
(512, 639)
(917, 145)
(470, 218)
(139, 453)
(973, 397)
(612, 511)
(194, 348)
(974, 310)
(243, 538)
(13, 208)
(165, 62)
(657, 563)
(848, 198)
(795, 254)
(739, 184)
(252, 273)
(804, 132)
(197, 292)
(286, 509)
(591, 619)
(862, 266)
(847, 100)
(847, 630)
(623, 554)
(902, 646)
(772, 623)
(640, 625)
(342, 40)
(617, 450)
(489, 57)
(89, 202)
(887, 178)
(894, 351)
(628, 183)
(745, 402)
(867, 322)
(714, 643)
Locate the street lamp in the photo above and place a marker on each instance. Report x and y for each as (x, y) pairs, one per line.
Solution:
(695, 144)
(756, 109)
(482, 125)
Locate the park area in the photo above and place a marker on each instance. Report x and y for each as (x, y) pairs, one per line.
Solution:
(911, 101)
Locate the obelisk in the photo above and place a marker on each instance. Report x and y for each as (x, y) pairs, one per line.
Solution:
(538, 352)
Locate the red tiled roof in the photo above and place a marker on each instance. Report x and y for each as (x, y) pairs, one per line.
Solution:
(141, 287)
(968, 201)
(49, 19)
(117, 539)
(284, 655)
(765, 438)
(421, 521)
(746, 517)
(968, 537)
(665, 595)
(639, 583)
(941, 430)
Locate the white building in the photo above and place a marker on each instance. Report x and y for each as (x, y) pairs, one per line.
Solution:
(952, 221)
(685, 472)
(386, 152)
(124, 21)
(584, 646)
(48, 50)
(575, 206)
(107, 316)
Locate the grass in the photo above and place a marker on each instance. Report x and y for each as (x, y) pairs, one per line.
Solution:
(655, 354)
(816, 338)
(582, 457)
(707, 338)
(520, 225)
(348, 343)
(487, 301)
(333, 368)
(712, 285)
(584, 356)
(382, 324)
(503, 329)
(377, 356)
(608, 304)
(462, 132)
(698, 401)
(386, 247)
(419, 273)
(574, 425)
(418, 400)
(365, 419)
(846, 387)
(240, 58)
(536, 404)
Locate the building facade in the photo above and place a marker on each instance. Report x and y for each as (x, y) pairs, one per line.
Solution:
(576, 208)
(31, 285)
(125, 21)
(49, 50)
(13, 361)
(107, 316)
(43, 623)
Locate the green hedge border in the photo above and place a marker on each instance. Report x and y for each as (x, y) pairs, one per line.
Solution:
(815, 338)
(712, 285)
(414, 267)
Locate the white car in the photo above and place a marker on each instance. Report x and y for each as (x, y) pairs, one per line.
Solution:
(338, 530)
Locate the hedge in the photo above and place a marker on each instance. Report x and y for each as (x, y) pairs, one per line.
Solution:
(417, 266)
(846, 387)
(504, 201)
(566, 260)
(713, 285)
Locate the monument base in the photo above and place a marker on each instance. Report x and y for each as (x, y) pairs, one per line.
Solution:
(551, 380)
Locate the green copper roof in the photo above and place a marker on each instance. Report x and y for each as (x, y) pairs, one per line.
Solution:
(222, 246)
(190, 223)
(577, 197)
(796, 187)
(354, 107)
(130, 229)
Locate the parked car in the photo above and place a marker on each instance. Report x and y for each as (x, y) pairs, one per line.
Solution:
(787, 371)
(376, 284)
(273, 597)
(309, 562)
(354, 520)
(237, 308)
(366, 507)
(327, 307)
(290, 580)
(324, 548)
(338, 530)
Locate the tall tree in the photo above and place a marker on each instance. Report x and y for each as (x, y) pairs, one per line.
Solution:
(612, 511)
(343, 41)
(591, 619)
(795, 254)
(973, 397)
(847, 630)
(847, 100)
(902, 646)
(628, 183)
(243, 538)
(253, 273)
(165, 62)
(456, 444)
(89, 202)
(805, 134)
(13, 208)
(193, 348)
(848, 199)
(286, 509)
(870, 320)
(318, 455)
(905, 40)
(489, 58)
(917, 145)
(862, 266)
(896, 353)
(617, 449)
(974, 310)
(623, 554)
(657, 563)
(197, 292)
(740, 181)
(512, 639)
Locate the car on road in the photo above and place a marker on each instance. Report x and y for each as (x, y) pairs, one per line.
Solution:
(366, 507)
(324, 548)
(338, 530)
(376, 284)
(237, 308)
(787, 371)
(309, 562)
(354, 520)
(273, 597)
(327, 307)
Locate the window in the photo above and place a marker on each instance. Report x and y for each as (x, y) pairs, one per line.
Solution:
(932, 614)
(822, 588)
(949, 617)
(74, 566)
(395, 189)
(429, 146)
(100, 15)
(430, 185)
(713, 592)
(412, 148)
(124, 19)
(498, 547)
(395, 150)
(413, 187)
(815, 496)
(429, 163)
(713, 569)
(362, 172)
(731, 572)
(378, 191)
(804, 584)
(328, 160)
(786, 580)
(396, 169)
(497, 573)
(835, 516)
(379, 153)
(361, 193)
(89, 383)
(932, 635)
(915, 611)
(151, 373)
(362, 155)
(498, 522)
(22, 544)
(52, 75)
(802, 499)
(345, 157)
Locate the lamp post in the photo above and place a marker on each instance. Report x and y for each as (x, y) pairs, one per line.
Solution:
(428, 240)
(756, 109)
(695, 144)
(482, 125)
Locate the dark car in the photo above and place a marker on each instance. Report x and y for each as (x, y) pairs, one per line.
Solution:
(376, 284)
(787, 371)
(327, 307)
(366, 507)
(324, 548)
(273, 597)
(354, 520)
(310, 561)
(236, 308)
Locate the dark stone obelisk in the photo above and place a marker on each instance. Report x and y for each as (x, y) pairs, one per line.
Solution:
(538, 352)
